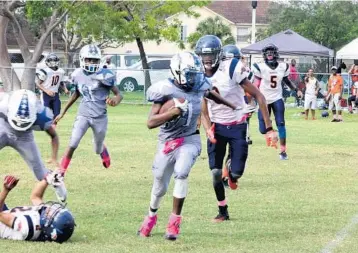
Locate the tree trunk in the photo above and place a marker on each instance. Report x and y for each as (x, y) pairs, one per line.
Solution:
(7, 75)
(28, 76)
(147, 82)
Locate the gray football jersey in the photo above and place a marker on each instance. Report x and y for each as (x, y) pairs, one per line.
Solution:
(186, 124)
(94, 89)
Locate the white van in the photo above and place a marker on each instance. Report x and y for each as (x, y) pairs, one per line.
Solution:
(17, 61)
(124, 61)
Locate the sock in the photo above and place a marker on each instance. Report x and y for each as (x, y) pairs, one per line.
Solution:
(283, 148)
(340, 117)
(152, 212)
(334, 116)
(222, 202)
(65, 162)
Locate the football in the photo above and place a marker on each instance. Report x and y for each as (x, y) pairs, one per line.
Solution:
(169, 104)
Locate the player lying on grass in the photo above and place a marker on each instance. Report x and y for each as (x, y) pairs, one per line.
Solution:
(94, 85)
(21, 113)
(224, 126)
(176, 108)
(48, 221)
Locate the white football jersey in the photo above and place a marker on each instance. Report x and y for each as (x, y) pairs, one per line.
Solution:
(226, 81)
(51, 78)
(271, 79)
(26, 224)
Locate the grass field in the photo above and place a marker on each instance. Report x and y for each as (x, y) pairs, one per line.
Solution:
(282, 206)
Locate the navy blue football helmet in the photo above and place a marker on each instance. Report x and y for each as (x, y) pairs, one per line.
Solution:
(270, 54)
(57, 222)
(52, 61)
(231, 51)
(209, 48)
(325, 114)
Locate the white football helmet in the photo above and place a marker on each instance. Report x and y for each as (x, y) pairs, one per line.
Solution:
(93, 55)
(22, 109)
(187, 70)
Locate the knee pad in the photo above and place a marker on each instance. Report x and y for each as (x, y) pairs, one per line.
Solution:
(180, 188)
(281, 131)
(217, 175)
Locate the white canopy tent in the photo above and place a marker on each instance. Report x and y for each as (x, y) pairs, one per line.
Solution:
(349, 51)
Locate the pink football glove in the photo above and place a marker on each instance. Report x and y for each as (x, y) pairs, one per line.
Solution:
(211, 134)
(10, 182)
(271, 139)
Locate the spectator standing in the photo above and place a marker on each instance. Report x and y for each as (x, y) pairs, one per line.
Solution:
(335, 87)
(294, 78)
(352, 100)
(311, 92)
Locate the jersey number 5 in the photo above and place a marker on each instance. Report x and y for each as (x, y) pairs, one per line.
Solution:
(273, 81)
(55, 80)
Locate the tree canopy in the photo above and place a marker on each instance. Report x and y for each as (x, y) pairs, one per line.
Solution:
(213, 26)
(330, 23)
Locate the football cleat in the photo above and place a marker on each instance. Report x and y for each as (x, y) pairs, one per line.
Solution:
(283, 156)
(230, 181)
(223, 214)
(61, 192)
(147, 226)
(106, 159)
(173, 227)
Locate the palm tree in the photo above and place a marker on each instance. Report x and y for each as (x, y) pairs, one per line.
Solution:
(212, 26)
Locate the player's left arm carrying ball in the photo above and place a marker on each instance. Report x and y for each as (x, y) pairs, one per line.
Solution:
(9, 183)
(271, 134)
(116, 99)
(156, 119)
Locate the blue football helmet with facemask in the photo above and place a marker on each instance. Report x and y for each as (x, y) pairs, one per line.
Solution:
(57, 223)
(187, 71)
(209, 49)
(270, 54)
(231, 51)
(52, 61)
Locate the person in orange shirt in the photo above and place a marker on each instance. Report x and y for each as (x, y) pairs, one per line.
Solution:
(335, 86)
(352, 100)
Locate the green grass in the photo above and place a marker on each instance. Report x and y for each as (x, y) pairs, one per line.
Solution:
(282, 206)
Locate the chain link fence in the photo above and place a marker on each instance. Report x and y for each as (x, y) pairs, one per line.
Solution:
(133, 83)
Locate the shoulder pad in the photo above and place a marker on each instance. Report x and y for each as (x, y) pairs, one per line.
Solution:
(160, 91)
(106, 77)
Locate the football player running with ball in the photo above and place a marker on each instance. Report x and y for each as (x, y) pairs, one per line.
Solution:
(49, 221)
(94, 85)
(224, 126)
(269, 76)
(179, 141)
(21, 113)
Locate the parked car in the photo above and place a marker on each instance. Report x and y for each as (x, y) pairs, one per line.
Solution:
(133, 79)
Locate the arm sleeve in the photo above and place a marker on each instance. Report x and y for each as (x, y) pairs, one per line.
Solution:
(256, 70)
(287, 71)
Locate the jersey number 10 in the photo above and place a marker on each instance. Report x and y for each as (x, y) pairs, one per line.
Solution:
(55, 80)
(273, 81)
